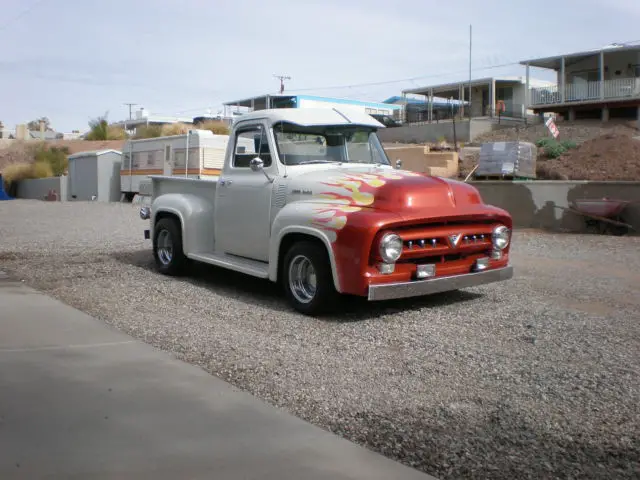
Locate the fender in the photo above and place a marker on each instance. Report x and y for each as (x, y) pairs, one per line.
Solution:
(297, 217)
(196, 219)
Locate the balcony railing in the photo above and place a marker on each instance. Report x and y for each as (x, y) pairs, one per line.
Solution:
(586, 92)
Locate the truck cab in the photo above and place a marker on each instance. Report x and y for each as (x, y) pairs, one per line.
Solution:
(308, 198)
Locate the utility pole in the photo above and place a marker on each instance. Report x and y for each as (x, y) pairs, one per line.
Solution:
(282, 78)
(130, 105)
(470, 73)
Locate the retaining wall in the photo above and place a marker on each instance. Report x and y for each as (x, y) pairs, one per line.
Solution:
(532, 204)
(432, 132)
(37, 189)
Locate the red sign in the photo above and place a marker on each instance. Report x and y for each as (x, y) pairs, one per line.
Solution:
(552, 127)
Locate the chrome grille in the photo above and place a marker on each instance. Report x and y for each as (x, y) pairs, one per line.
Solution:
(446, 241)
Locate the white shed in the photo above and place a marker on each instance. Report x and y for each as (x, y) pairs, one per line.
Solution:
(94, 174)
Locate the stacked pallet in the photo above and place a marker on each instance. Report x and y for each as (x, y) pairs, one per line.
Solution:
(507, 159)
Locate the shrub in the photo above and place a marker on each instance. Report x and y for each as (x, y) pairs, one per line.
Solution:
(568, 144)
(101, 130)
(215, 126)
(16, 172)
(148, 131)
(42, 169)
(19, 151)
(55, 157)
(116, 133)
(554, 150)
(25, 171)
(543, 142)
(175, 129)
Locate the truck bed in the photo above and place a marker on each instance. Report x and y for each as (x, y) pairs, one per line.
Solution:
(205, 188)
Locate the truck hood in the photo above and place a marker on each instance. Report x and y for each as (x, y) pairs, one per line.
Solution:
(399, 191)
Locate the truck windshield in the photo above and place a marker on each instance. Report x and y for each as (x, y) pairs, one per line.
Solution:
(299, 145)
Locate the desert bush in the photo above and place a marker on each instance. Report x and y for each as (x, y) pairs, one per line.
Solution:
(18, 151)
(215, 126)
(116, 133)
(25, 171)
(176, 129)
(569, 144)
(148, 131)
(101, 130)
(42, 169)
(55, 157)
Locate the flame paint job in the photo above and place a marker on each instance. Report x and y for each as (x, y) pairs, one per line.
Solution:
(357, 208)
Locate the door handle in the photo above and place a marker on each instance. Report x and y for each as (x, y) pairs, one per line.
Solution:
(225, 182)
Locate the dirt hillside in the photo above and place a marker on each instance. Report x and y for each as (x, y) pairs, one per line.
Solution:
(612, 156)
(22, 151)
(578, 131)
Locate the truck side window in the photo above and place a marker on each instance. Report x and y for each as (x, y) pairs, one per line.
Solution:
(250, 143)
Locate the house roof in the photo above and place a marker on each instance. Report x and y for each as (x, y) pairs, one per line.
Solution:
(414, 101)
(48, 134)
(454, 86)
(555, 62)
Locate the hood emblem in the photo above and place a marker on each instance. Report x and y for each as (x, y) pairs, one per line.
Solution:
(455, 239)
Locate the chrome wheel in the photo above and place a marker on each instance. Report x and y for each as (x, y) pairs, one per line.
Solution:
(302, 279)
(165, 247)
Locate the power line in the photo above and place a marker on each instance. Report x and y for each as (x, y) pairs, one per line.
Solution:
(422, 77)
(408, 79)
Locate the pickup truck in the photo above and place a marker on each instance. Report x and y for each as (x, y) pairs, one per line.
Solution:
(308, 198)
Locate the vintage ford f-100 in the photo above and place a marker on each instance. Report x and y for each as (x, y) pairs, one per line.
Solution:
(308, 198)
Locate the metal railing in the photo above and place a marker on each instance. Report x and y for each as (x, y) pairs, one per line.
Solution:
(587, 91)
(419, 114)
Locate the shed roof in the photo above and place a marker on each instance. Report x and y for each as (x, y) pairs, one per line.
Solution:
(93, 153)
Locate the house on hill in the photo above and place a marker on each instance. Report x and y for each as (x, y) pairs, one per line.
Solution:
(599, 83)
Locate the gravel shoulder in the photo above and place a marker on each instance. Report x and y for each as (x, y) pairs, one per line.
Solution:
(534, 378)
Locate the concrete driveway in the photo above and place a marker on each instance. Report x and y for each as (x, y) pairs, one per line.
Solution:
(80, 400)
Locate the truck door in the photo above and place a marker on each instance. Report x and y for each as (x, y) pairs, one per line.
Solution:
(243, 201)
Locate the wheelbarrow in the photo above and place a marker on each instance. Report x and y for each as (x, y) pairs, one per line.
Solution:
(603, 215)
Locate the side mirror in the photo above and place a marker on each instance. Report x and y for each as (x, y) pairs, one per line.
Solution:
(256, 164)
(398, 164)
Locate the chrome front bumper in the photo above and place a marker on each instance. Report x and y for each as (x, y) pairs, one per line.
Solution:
(436, 285)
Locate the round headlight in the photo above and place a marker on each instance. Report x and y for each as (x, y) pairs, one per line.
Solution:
(500, 237)
(390, 247)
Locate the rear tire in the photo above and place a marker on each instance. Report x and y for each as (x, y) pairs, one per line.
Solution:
(308, 280)
(167, 247)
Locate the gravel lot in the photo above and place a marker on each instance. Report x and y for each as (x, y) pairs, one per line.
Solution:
(534, 378)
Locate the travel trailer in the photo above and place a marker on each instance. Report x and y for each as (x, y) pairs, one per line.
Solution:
(166, 156)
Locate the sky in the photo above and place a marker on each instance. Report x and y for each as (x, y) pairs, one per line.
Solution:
(74, 60)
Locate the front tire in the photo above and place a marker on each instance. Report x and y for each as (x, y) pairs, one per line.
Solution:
(167, 247)
(307, 278)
